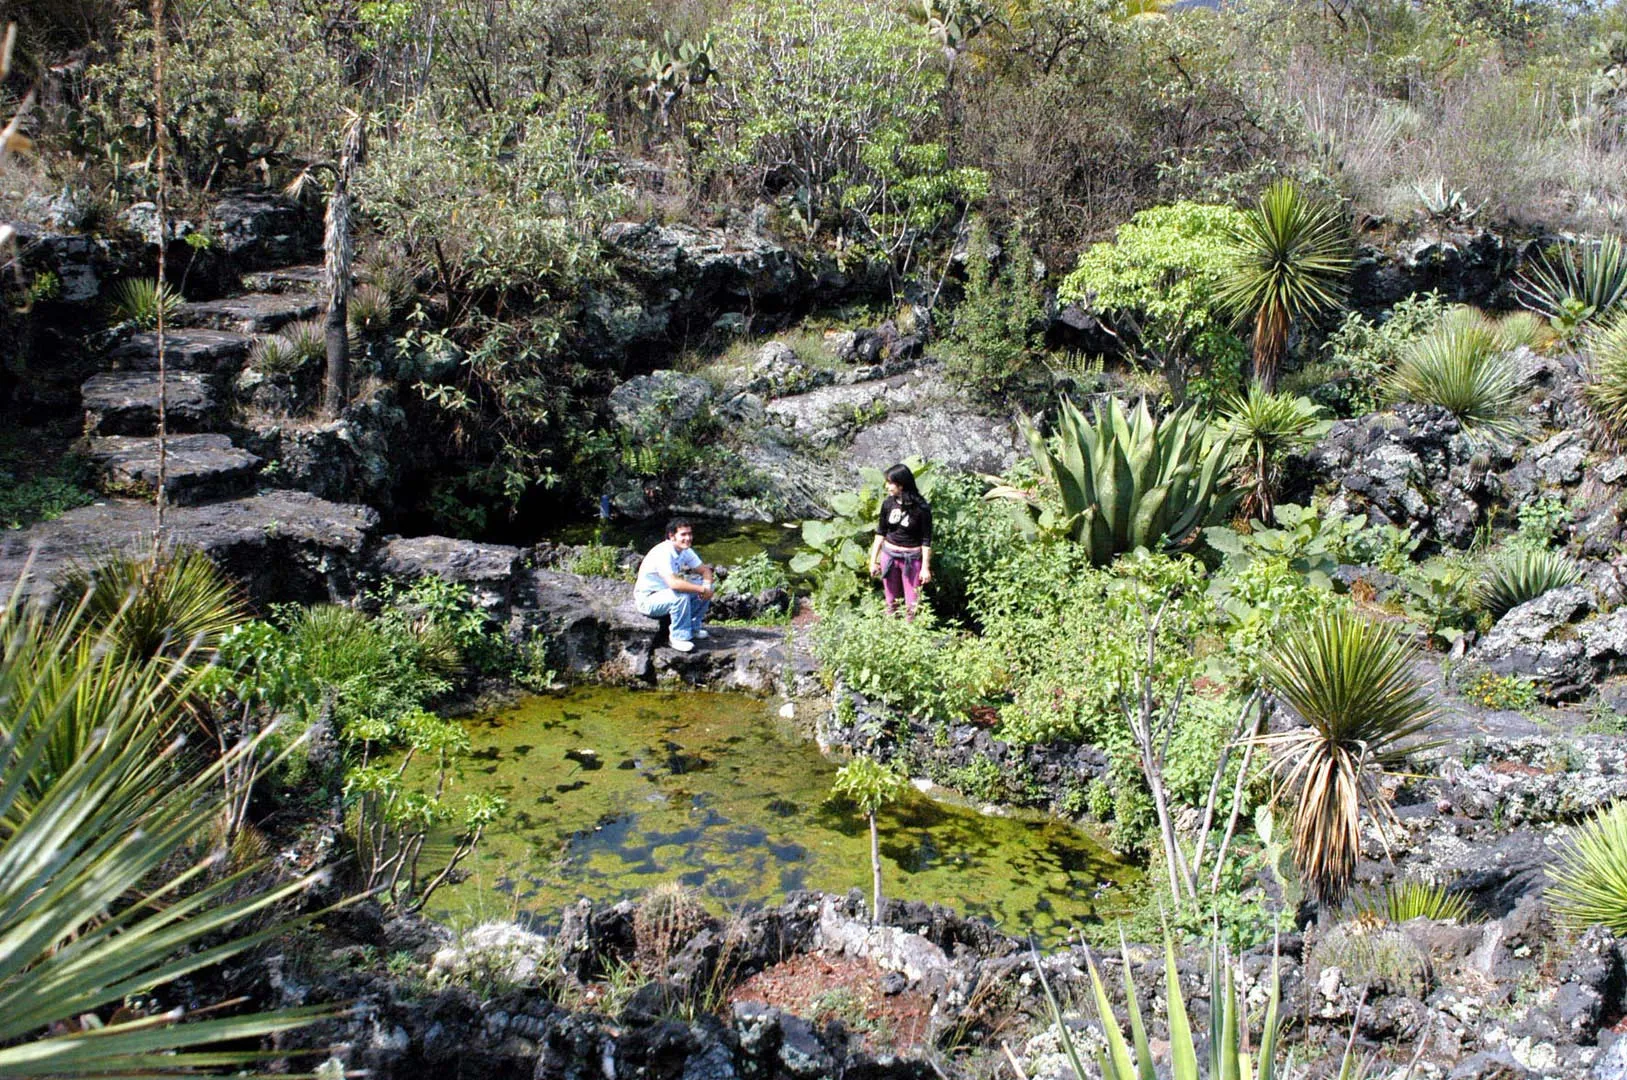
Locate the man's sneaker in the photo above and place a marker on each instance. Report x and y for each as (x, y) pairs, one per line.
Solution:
(703, 633)
(683, 644)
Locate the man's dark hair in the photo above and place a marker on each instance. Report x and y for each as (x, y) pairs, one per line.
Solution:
(678, 523)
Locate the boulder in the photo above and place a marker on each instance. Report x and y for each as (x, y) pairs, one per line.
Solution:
(1468, 267)
(358, 457)
(659, 400)
(492, 572)
(1537, 641)
(196, 467)
(126, 402)
(258, 231)
(205, 351)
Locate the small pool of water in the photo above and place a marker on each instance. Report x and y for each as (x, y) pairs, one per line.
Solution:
(720, 542)
(612, 792)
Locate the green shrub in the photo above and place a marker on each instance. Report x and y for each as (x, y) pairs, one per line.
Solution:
(1127, 481)
(1590, 876)
(918, 667)
(138, 300)
(1463, 366)
(1409, 898)
(1606, 367)
(306, 342)
(997, 323)
(1501, 691)
(1368, 352)
(754, 575)
(274, 355)
(596, 560)
(1442, 595)
(176, 604)
(370, 311)
(1265, 428)
(1521, 574)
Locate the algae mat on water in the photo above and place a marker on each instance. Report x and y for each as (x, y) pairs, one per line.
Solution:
(612, 792)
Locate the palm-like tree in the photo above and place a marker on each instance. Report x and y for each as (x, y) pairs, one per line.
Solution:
(1351, 680)
(104, 894)
(1289, 259)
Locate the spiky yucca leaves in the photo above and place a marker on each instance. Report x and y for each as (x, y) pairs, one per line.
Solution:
(169, 603)
(93, 907)
(1585, 284)
(1606, 368)
(1129, 481)
(1401, 901)
(1131, 1058)
(1265, 428)
(138, 300)
(370, 311)
(1351, 680)
(1288, 260)
(273, 355)
(306, 340)
(1522, 574)
(1462, 365)
(1590, 876)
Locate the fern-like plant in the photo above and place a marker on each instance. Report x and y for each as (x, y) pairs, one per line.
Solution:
(1128, 481)
(1462, 365)
(1606, 367)
(1590, 876)
(139, 300)
(1351, 680)
(1523, 573)
(1579, 285)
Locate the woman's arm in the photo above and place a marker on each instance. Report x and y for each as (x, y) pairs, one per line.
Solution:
(926, 564)
(875, 556)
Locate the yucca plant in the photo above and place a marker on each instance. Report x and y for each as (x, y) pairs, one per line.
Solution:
(1130, 1058)
(138, 300)
(1582, 284)
(1521, 574)
(1462, 365)
(306, 341)
(370, 311)
(273, 355)
(103, 894)
(1128, 481)
(1351, 680)
(1265, 428)
(1524, 328)
(1606, 367)
(173, 603)
(1402, 901)
(1288, 260)
(1590, 876)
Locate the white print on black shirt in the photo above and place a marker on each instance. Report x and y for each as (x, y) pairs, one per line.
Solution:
(899, 518)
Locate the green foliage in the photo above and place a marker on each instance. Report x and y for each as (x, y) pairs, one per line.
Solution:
(1410, 898)
(171, 604)
(869, 784)
(1158, 282)
(37, 485)
(1501, 691)
(597, 560)
(1590, 876)
(370, 311)
(1287, 260)
(918, 667)
(1351, 681)
(106, 896)
(1606, 367)
(1523, 573)
(1368, 352)
(1462, 365)
(138, 300)
(996, 324)
(754, 575)
(1442, 596)
(1382, 959)
(1580, 285)
(1265, 428)
(1126, 481)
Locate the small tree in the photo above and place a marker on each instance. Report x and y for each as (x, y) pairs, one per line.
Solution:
(871, 785)
(997, 321)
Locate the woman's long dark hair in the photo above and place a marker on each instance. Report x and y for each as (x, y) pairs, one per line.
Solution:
(908, 493)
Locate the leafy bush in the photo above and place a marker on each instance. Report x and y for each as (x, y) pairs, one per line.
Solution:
(1442, 596)
(754, 575)
(1368, 352)
(918, 667)
(1462, 365)
(997, 323)
(139, 300)
(596, 560)
(1351, 681)
(1606, 367)
(1590, 876)
(1126, 482)
(1501, 691)
(1578, 285)
(1521, 574)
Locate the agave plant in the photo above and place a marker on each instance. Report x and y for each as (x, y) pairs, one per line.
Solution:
(1590, 876)
(1130, 1058)
(1580, 285)
(1128, 481)
(1265, 428)
(1351, 681)
(102, 896)
(1521, 574)
(1606, 366)
(139, 300)
(1462, 365)
(1288, 260)
(273, 355)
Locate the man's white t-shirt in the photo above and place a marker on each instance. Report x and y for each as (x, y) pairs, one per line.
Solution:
(663, 559)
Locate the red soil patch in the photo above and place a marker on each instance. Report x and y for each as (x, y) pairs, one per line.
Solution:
(825, 988)
(1515, 768)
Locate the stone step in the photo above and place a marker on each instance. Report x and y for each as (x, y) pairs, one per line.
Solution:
(126, 402)
(197, 467)
(288, 279)
(211, 351)
(251, 313)
(279, 545)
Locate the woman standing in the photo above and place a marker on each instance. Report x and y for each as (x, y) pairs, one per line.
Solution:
(902, 553)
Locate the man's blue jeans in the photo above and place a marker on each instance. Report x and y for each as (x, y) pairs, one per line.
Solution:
(687, 611)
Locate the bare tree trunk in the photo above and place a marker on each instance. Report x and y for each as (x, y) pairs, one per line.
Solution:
(875, 870)
(338, 249)
(162, 205)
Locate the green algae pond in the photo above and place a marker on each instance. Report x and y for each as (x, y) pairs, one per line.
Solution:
(721, 542)
(612, 792)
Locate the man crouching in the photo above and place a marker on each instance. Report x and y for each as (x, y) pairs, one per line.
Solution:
(673, 581)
